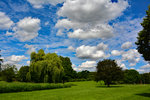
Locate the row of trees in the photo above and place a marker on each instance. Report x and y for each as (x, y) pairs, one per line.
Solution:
(111, 73)
(43, 67)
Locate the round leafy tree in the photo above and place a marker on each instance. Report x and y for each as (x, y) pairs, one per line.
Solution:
(143, 42)
(108, 71)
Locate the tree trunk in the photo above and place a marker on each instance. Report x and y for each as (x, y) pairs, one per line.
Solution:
(108, 84)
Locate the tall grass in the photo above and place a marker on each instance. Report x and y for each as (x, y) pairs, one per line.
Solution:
(6, 87)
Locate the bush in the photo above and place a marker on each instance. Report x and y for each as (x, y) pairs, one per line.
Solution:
(20, 87)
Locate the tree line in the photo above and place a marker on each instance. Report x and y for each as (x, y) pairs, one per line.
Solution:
(45, 68)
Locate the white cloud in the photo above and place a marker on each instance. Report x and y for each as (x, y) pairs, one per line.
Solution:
(132, 56)
(71, 48)
(9, 33)
(5, 21)
(89, 18)
(14, 59)
(92, 52)
(144, 69)
(145, 66)
(28, 62)
(40, 3)
(120, 64)
(27, 29)
(88, 64)
(126, 45)
(31, 48)
(116, 52)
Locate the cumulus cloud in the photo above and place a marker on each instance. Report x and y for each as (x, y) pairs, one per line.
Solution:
(40, 3)
(14, 59)
(126, 45)
(92, 52)
(132, 56)
(89, 18)
(5, 21)
(28, 62)
(116, 52)
(27, 29)
(31, 48)
(144, 69)
(88, 64)
(120, 64)
(71, 48)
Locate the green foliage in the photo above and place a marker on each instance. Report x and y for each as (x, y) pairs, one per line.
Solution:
(83, 74)
(69, 73)
(19, 87)
(23, 73)
(108, 71)
(131, 76)
(1, 60)
(145, 78)
(45, 67)
(9, 73)
(143, 43)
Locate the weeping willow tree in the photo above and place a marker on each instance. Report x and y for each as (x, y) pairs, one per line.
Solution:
(45, 67)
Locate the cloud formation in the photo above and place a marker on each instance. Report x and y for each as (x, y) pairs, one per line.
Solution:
(30, 48)
(89, 18)
(40, 3)
(92, 52)
(27, 29)
(126, 45)
(14, 59)
(5, 21)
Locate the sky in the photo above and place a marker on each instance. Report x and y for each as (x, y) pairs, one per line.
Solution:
(86, 31)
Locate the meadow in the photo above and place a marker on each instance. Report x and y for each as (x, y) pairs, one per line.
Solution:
(87, 90)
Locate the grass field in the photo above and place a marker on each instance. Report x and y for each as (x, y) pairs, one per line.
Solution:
(85, 91)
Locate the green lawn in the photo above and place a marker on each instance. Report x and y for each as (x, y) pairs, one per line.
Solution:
(85, 91)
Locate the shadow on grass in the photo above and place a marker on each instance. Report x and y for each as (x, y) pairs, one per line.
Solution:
(113, 86)
(144, 94)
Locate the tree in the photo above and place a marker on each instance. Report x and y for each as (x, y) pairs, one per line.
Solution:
(143, 39)
(68, 70)
(1, 60)
(23, 73)
(83, 74)
(45, 67)
(108, 71)
(9, 72)
(131, 76)
(145, 78)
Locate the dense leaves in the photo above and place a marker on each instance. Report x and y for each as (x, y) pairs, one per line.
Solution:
(131, 76)
(23, 73)
(108, 71)
(45, 68)
(143, 43)
(9, 73)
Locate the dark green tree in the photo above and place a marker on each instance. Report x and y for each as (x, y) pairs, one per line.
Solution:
(83, 74)
(23, 73)
(145, 78)
(9, 73)
(131, 76)
(143, 39)
(1, 60)
(68, 70)
(108, 71)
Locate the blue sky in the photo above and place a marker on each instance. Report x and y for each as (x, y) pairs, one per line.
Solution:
(86, 31)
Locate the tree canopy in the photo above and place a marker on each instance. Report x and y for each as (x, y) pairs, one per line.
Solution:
(143, 42)
(131, 76)
(108, 71)
(45, 67)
